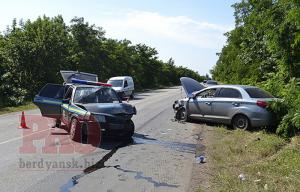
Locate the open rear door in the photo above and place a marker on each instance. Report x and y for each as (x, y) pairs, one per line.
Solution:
(49, 100)
(68, 75)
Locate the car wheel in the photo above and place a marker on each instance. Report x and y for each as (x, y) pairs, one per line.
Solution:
(84, 133)
(130, 127)
(78, 132)
(123, 95)
(182, 115)
(74, 129)
(132, 95)
(241, 122)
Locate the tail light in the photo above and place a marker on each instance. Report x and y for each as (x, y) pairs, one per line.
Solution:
(262, 104)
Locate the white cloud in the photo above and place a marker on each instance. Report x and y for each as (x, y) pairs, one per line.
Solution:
(182, 29)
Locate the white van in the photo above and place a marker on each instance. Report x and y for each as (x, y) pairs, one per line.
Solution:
(123, 85)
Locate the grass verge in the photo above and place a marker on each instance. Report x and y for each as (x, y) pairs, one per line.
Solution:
(268, 162)
(26, 106)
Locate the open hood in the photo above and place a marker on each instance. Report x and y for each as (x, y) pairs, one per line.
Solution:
(190, 85)
(68, 75)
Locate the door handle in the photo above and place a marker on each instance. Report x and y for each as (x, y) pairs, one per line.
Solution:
(235, 104)
(208, 103)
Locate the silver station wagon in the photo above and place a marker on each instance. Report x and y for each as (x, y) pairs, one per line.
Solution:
(241, 106)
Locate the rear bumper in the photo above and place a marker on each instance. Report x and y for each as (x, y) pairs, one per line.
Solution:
(262, 119)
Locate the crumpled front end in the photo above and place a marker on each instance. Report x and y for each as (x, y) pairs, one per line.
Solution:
(116, 124)
(114, 118)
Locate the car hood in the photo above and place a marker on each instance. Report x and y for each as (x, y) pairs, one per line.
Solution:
(110, 108)
(190, 85)
(117, 89)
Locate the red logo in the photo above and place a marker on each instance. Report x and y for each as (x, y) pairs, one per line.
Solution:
(39, 137)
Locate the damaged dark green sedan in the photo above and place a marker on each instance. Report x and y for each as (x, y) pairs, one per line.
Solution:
(86, 107)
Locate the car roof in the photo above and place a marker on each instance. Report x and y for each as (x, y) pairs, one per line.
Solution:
(231, 86)
(120, 78)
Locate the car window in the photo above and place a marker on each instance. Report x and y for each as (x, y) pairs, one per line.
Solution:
(52, 91)
(116, 83)
(209, 93)
(95, 95)
(125, 83)
(68, 94)
(255, 92)
(229, 93)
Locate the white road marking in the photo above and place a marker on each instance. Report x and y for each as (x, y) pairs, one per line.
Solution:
(17, 138)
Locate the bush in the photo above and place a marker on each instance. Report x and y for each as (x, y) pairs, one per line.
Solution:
(287, 109)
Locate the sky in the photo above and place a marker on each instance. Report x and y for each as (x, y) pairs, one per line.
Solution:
(189, 31)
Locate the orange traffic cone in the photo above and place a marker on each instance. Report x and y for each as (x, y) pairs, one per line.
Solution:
(23, 122)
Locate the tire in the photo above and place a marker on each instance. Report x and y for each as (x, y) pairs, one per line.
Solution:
(78, 132)
(132, 95)
(182, 115)
(84, 133)
(130, 126)
(123, 95)
(241, 122)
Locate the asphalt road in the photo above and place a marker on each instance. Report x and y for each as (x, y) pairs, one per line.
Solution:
(159, 158)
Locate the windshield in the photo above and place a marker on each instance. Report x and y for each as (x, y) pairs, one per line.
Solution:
(95, 95)
(116, 83)
(258, 93)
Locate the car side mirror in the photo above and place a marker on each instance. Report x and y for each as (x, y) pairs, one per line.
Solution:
(66, 101)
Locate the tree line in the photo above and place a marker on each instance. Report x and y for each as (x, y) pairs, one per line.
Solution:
(33, 52)
(264, 50)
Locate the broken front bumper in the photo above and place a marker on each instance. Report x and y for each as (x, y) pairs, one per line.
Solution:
(116, 125)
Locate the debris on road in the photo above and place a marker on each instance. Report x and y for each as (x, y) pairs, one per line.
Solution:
(242, 177)
(257, 180)
(200, 159)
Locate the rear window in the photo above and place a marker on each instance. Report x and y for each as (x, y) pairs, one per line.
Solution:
(254, 92)
(229, 93)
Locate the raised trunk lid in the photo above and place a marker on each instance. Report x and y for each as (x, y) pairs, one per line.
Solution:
(68, 75)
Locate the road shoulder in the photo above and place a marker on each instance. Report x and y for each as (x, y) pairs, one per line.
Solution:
(202, 173)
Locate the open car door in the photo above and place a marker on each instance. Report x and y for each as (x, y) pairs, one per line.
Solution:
(68, 75)
(49, 100)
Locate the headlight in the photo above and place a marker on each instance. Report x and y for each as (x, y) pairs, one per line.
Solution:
(100, 118)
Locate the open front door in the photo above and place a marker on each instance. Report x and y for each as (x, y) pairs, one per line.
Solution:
(49, 100)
